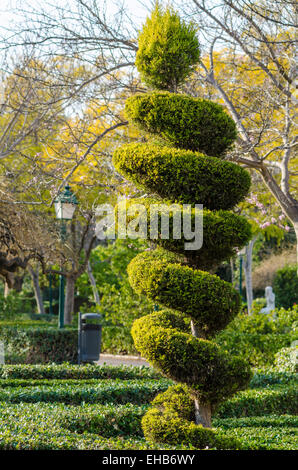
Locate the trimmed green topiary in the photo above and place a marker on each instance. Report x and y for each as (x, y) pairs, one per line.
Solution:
(168, 50)
(211, 374)
(222, 231)
(169, 428)
(172, 275)
(183, 121)
(208, 300)
(183, 176)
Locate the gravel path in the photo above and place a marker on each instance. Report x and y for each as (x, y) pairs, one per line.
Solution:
(116, 360)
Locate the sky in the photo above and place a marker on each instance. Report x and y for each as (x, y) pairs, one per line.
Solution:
(138, 9)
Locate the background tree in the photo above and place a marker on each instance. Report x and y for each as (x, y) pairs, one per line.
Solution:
(248, 62)
(186, 169)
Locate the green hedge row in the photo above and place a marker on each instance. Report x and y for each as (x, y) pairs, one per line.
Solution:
(59, 426)
(34, 343)
(113, 391)
(74, 372)
(278, 399)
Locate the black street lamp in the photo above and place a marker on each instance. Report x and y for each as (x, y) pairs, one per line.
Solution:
(65, 206)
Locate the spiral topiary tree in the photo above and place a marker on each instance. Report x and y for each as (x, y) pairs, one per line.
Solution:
(185, 166)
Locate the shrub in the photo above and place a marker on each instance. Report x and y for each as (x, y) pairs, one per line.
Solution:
(183, 121)
(278, 399)
(168, 49)
(180, 288)
(287, 359)
(114, 391)
(183, 176)
(222, 231)
(34, 342)
(258, 337)
(39, 344)
(68, 371)
(285, 286)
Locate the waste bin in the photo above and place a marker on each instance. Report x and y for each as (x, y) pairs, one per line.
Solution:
(89, 338)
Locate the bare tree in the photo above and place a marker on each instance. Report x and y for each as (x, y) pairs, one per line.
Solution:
(256, 39)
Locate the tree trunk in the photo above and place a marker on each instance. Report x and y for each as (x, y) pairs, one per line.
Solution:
(69, 299)
(203, 414)
(248, 273)
(6, 289)
(34, 274)
(202, 411)
(296, 232)
(93, 284)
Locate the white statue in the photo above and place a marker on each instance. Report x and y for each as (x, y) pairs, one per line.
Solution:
(270, 299)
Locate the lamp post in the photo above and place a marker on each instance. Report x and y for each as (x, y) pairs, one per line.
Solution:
(65, 205)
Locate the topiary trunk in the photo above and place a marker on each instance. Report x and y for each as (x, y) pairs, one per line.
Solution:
(186, 167)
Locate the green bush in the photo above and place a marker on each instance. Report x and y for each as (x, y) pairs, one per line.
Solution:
(35, 342)
(171, 429)
(183, 121)
(168, 49)
(258, 337)
(68, 371)
(39, 344)
(287, 359)
(113, 391)
(211, 374)
(222, 231)
(278, 399)
(211, 302)
(270, 432)
(183, 176)
(285, 286)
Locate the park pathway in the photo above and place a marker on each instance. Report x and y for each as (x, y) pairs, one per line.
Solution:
(117, 360)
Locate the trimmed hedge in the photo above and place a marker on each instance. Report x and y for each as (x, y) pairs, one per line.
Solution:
(75, 372)
(183, 176)
(183, 121)
(35, 345)
(222, 231)
(211, 302)
(211, 374)
(35, 342)
(128, 391)
(279, 399)
(58, 425)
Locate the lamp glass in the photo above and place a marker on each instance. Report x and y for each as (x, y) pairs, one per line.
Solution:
(64, 210)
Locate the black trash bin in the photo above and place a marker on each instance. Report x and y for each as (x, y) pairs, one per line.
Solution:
(89, 338)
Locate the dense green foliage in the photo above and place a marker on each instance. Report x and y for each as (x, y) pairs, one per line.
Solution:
(180, 288)
(61, 407)
(287, 359)
(285, 287)
(183, 176)
(39, 344)
(176, 281)
(24, 342)
(168, 49)
(221, 231)
(259, 337)
(184, 122)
